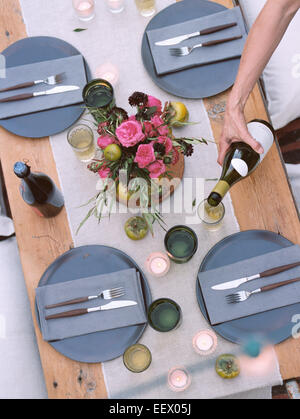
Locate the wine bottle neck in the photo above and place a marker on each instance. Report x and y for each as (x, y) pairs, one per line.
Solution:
(218, 193)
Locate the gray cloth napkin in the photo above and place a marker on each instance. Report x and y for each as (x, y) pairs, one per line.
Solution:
(165, 63)
(220, 311)
(55, 329)
(75, 75)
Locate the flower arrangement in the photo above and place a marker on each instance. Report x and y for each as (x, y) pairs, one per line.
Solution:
(142, 144)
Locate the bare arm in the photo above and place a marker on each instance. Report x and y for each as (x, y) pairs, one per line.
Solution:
(263, 38)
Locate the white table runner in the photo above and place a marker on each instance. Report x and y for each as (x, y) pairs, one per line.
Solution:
(117, 38)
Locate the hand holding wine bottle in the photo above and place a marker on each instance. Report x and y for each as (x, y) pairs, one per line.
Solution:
(234, 130)
(241, 160)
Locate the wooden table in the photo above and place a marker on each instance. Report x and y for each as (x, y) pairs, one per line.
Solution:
(262, 201)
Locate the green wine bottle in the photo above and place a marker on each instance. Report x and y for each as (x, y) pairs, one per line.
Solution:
(241, 160)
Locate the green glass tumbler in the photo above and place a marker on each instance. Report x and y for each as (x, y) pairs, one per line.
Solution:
(164, 315)
(137, 358)
(181, 243)
(98, 94)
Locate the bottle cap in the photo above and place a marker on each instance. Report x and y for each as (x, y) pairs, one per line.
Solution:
(21, 169)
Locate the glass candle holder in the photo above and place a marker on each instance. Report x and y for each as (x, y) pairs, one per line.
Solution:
(178, 379)
(116, 6)
(205, 342)
(164, 315)
(181, 244)
(109, 72)
(211, 217)
(85, 9)
(158, 264)
(145, 7)
(98, 94)
(137, 358)
(81, 139)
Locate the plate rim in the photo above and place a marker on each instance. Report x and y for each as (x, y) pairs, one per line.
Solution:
(228, 335)
(148, 295)
(157, 80)
(88, 76)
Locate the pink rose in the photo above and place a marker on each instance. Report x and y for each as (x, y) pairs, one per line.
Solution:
(156, 168)
(104, 172)
(105, 140)
(132, 118)
(167, 142)
(158, 123)
(145, 155)
(152, 101)
(129, 133)
(149, 130)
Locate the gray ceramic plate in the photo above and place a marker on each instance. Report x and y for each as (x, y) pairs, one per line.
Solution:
(193, 83)
(274, 325)
(87, 261)
(53, 121)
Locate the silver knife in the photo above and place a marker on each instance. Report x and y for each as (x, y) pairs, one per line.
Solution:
(53, 91)
(178, 39)
(78, 312)
(269, 272)
(235, 283)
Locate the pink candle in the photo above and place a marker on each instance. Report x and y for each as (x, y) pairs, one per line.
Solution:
(84, 9)
(205, 342)
(115, 6)
(109, 72)
(179, 379)
(158, 264)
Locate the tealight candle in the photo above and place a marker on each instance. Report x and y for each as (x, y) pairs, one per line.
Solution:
(179, 379)
(158, 264)
(205, 342)
(109, 72)
(84, 9)
(115, 6)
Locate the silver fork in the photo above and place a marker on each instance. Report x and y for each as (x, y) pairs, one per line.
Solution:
(182, 51)
(106, 295)
(51, 80)
(240, 296)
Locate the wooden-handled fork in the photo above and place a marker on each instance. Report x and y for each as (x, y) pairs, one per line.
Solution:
(240, 296)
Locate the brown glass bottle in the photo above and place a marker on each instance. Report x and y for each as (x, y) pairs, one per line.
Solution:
(39, 191)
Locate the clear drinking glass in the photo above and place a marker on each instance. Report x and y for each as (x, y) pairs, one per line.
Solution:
(85, 9)
(211, 217)
(146, 7)
(116, 6)
(81, 139)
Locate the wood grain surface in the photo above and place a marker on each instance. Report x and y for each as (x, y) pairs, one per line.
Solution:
(262, 201)
(41, 240)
